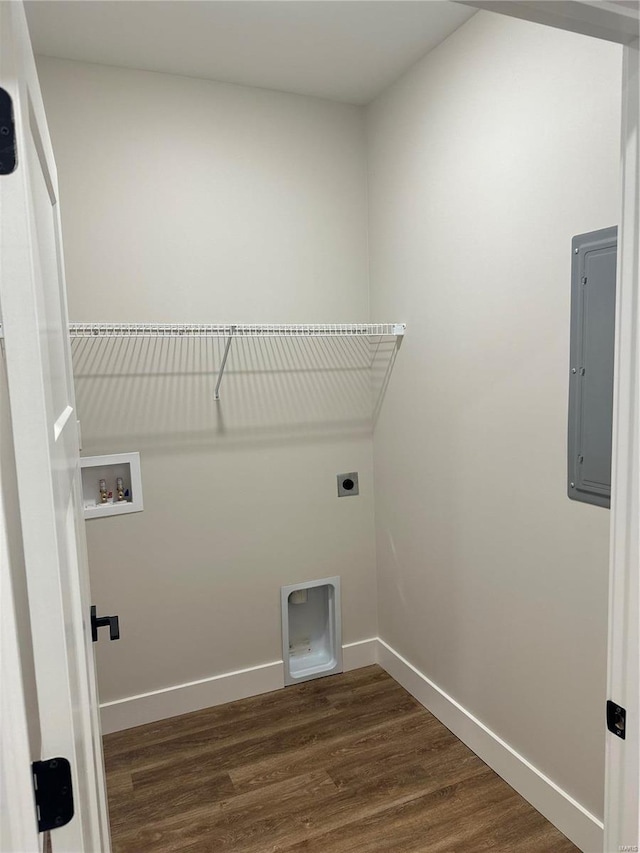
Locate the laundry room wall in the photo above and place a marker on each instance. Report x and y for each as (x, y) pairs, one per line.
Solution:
(186, 200)
(484, 160)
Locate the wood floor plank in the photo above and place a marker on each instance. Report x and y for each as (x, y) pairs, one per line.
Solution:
(414, 824)
(152, 807)
(357, 807)
(253, 819)
(210, 718)
(198, 754)
(345, 764)
(421, 739)
(277, 702)
(311, 718)
(332, 750)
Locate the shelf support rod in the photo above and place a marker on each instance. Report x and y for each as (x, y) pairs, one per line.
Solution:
(227, 347)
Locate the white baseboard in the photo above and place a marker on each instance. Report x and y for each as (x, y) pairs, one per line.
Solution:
(572, 819)
(227, 687)
(193, 696)
(362, 653)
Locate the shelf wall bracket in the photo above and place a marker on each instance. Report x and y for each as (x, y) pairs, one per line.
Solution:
(227, 347)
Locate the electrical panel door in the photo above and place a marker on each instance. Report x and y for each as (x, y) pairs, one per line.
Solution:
(593, 302)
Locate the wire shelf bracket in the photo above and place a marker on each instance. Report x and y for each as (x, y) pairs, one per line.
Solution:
(227, 347)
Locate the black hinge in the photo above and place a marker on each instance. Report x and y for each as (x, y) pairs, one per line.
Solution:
(8, 153)
(54, 793)
(616, 719)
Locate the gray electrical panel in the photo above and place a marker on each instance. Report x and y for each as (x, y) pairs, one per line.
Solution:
(593, 303)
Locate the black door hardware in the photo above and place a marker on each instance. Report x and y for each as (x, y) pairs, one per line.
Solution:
(8, 156)
(53, 791)
(102, 622)
(616, 719)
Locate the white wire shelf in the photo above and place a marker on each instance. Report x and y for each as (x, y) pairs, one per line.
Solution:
(239, 330)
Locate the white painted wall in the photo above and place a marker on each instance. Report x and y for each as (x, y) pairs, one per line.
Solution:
(191, 201)
(484, 160)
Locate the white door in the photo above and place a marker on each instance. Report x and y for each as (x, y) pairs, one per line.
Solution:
(45, 438)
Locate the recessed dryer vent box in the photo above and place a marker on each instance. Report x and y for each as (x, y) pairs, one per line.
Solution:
(311, 630)
(109, 468)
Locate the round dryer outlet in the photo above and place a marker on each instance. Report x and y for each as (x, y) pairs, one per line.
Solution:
(348, 484)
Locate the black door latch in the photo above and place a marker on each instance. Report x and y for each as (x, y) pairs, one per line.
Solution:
(102, 622)
(616, 719)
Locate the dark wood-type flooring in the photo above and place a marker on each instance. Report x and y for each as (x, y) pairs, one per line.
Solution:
(345, 764)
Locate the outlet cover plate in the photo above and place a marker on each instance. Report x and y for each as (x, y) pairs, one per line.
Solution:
(348, 485)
